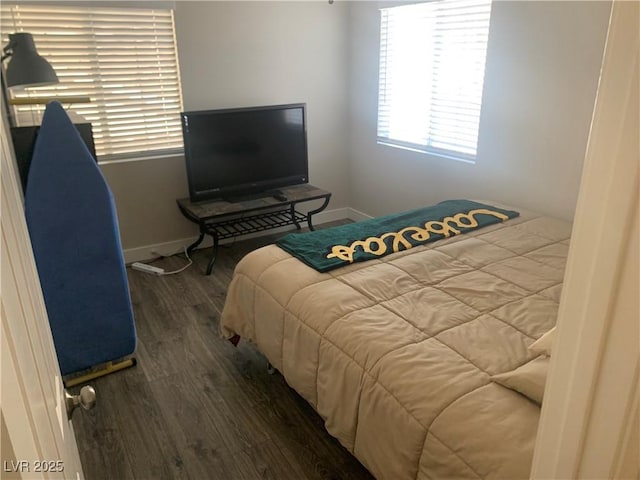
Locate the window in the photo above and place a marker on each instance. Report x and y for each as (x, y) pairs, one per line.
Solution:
(432, 58)
(124, 59)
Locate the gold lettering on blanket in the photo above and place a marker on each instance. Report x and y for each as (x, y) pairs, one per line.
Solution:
(377, 245)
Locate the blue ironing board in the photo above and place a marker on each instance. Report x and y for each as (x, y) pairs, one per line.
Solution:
(74, 233)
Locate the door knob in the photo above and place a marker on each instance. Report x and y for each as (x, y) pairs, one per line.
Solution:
(86, 399)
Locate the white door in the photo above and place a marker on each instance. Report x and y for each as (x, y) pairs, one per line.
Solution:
(590, 415)
(37, 439)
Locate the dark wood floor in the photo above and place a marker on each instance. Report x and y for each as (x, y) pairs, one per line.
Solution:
(195, 407)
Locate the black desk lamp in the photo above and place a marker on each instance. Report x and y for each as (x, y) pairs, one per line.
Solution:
(26, 68)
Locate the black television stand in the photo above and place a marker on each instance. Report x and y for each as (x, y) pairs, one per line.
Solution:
(222, 219)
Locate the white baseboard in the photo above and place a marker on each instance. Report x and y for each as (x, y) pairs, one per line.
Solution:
(357, 215)
(165, 249)
(148, 252)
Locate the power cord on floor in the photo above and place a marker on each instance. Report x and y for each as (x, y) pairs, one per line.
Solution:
(143, 267)
(186, 254)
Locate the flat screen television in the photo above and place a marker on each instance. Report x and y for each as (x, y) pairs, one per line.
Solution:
(240, 152)
(24, 142)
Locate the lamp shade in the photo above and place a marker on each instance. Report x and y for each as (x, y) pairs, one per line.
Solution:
(26, 68)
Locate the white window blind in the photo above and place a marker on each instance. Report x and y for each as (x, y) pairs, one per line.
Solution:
(124, 59)
(432, 59)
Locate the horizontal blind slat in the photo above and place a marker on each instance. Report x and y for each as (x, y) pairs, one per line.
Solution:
(124, 60)
(431, 74)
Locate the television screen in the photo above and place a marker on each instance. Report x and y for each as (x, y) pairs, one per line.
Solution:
(235, 152)
(24, 142)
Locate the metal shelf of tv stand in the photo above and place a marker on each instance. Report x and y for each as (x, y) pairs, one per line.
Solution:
(222, 220)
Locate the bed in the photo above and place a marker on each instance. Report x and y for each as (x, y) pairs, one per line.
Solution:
(411, 358)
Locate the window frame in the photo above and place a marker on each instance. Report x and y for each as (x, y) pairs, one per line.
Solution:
(124, 58)
(436, 12)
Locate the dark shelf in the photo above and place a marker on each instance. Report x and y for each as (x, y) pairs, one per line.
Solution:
(221, 219)
(255, 223)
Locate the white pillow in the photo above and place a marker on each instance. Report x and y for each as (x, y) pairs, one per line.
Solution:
(528, 379)
(544, 343)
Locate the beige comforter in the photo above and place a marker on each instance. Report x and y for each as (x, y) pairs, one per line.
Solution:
(397, 354)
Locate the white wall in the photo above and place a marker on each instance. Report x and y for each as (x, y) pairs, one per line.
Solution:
(258, 53)
(542, 71)
(235, 54)
(543, 63)
(589, 425)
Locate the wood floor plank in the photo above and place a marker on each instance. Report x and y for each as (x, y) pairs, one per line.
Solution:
(195, 407)
(100, 466)
(233, 411)
(201, 446)
(145, 433)
(270, 464)
(99, 437)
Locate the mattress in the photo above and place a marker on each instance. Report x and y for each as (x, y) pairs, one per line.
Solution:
(397, 354)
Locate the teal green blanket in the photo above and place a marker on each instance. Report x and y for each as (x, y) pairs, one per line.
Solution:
(335, 247)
